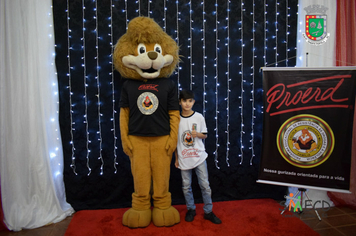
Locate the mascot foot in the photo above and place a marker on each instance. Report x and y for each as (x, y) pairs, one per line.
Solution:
(136, 219)
(166, 217)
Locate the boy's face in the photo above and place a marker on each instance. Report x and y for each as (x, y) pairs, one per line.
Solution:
(187, 104)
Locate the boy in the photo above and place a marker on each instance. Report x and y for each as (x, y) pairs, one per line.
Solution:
(191, 155)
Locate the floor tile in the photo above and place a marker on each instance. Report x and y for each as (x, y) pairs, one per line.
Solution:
(333, 211)
(340, 220)
(57, 229)
(352, 214)
(317, 224)
(347, 210)
(310, 214)
(348, 230)
(329, 232)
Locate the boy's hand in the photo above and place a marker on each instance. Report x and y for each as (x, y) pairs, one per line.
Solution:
(176, 163)
(194, 130)
(194, 133)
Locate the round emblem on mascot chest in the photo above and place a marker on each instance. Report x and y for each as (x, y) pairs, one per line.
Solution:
(305, 141)
(147, 103)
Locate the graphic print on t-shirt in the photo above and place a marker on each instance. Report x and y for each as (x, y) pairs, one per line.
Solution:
(147, 103)
(187, 139)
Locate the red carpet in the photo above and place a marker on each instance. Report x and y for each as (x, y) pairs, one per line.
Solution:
(243, 217)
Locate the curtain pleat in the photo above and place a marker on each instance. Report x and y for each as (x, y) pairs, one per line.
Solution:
(345, 47)
(31, 158)
(345, 55)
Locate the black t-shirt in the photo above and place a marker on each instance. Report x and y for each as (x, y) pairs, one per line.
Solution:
(149, 103)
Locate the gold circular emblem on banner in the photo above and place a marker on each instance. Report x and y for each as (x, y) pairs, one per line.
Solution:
(305, 141)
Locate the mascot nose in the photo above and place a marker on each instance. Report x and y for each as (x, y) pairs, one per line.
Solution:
(152, 55)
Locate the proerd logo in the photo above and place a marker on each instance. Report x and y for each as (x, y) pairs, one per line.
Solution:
(305, 141)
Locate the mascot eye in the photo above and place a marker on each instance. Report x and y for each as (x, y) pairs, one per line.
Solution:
(158, 48)
(141, 48)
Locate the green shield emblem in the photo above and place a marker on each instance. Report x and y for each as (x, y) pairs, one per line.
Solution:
(315, 27)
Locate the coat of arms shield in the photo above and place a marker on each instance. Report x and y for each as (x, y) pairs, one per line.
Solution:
(315, 27)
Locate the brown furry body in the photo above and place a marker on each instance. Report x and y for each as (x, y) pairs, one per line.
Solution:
(146, 53)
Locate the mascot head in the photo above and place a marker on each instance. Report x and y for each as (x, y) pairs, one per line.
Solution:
(145, 51)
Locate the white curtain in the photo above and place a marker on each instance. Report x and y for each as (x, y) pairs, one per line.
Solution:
(318, 56)
(31, 158)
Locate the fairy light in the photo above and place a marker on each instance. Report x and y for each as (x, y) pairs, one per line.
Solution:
(72, 165)
(113, 88)
(242, 86)
(228, 85)
(54, 152)
(85, 90)
(127, 20)
(204, 60)
(265, 32)
(190, 46)
(216, 85)
(149, 8)
(253, 86)
(164, 16)
(97, 78)
(287, 31)
(177, 38)
(276, 37)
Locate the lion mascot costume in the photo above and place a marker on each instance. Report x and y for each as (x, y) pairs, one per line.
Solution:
(149, 117)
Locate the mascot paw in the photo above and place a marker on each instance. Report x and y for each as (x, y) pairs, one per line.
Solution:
(137, 219)
(167, 217)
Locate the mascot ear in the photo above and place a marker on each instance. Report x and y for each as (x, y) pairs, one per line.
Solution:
(123, 48)
(168, 60)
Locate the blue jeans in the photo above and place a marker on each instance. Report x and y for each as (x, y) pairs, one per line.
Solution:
(202, 173)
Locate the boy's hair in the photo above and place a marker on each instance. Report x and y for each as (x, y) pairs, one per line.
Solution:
(186, 94)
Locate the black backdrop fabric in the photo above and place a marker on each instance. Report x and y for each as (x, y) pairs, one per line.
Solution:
(222, 66)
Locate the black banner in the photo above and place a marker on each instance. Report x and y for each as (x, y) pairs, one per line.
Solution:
(307, 127)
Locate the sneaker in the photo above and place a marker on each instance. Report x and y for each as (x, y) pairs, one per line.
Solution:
(189, 217)
(212, 217)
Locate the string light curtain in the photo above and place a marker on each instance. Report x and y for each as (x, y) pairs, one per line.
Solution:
(223, 46)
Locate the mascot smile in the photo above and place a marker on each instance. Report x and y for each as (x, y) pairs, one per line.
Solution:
(149, 117)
